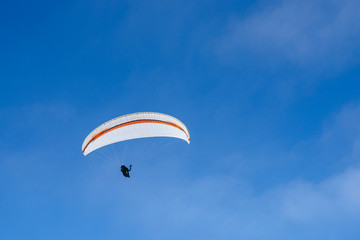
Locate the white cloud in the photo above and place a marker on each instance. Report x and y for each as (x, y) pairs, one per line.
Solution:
(333, 198)
(305, 32)
(337, 145)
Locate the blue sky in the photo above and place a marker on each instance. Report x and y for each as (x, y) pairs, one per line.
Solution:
(268, 89)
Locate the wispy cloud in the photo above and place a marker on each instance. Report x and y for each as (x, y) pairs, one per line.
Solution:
(334, 198)
(337, 144)
(215, 207)
(304, 32)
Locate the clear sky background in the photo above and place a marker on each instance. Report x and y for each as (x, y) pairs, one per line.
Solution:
(268, 89)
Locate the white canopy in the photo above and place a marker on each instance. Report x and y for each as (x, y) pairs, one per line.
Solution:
(132, 126)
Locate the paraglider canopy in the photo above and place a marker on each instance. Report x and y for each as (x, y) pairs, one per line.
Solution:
(132, 126)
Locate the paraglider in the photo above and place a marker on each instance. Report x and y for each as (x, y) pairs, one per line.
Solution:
(134, 126)
(125, 171)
